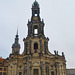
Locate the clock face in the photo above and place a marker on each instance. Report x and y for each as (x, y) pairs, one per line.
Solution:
(35, 18)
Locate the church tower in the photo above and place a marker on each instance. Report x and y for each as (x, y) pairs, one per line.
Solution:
(36, 42)
(36, 58)
(39, 61)
(16, 45)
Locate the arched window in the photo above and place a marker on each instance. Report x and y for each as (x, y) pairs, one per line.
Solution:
(35, 12)
(52, 73)
(35, 30)
(35, 45)
(20, 73)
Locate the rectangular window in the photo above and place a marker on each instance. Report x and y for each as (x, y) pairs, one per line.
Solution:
(0, 69)
(36, 72)
(20, 73)
(4, 73)
(0, 63)
(0, 73)
(4, 69)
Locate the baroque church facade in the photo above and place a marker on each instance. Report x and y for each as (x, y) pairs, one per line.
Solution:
(36, 58)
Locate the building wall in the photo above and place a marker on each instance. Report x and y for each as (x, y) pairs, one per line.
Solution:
(36, 58)
(3, 67)
(70, 71)
(3, 70)
(45, 65)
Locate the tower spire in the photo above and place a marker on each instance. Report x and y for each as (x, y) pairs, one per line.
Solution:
(16, 45)
(35, 11)
(17, 31)
(17, 34)
(35, 29)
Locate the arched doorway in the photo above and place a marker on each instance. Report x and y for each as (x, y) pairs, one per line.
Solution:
(52, 73)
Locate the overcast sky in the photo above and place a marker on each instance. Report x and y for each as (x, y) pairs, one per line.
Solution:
(59, 18)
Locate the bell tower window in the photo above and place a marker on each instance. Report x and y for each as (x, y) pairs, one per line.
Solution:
(35, 30)
(35, 45)
(35, 12)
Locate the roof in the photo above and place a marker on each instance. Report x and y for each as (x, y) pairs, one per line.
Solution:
(70, 71)
(35, 3)
(1, 61)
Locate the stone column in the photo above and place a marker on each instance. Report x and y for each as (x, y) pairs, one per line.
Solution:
(44, 69)
(40, 46)
(30, 47)
(57, 68)
(45, 47)
(26, 47)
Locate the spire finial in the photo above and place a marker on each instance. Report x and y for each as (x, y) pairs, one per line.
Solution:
(35, 3)
(17, 31)
(35, 0)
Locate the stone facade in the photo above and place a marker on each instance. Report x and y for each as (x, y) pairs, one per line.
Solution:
(70, 71)
(36, 58)
(3, 67)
